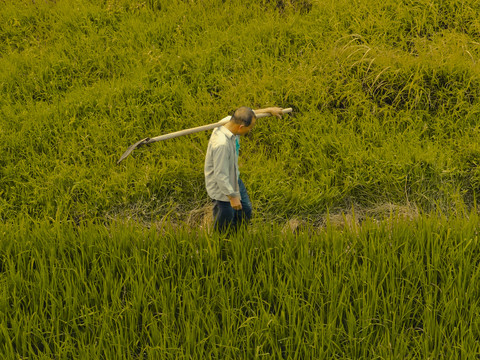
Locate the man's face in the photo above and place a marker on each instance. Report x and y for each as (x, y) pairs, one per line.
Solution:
(244, 130)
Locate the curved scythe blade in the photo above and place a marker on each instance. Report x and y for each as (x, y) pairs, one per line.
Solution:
(133, 147)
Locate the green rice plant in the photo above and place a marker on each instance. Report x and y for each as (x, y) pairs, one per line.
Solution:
(389, 289)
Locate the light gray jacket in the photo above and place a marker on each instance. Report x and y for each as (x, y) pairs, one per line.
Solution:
(221, 165)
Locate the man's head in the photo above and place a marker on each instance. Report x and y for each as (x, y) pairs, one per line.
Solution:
(245, 119)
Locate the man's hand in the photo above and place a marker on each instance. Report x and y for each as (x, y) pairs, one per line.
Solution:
(274, 111)
(235, 203)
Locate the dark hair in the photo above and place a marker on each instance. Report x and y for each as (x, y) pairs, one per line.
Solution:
(243, 116)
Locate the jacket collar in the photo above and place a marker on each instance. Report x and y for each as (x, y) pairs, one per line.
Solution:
(227, 132)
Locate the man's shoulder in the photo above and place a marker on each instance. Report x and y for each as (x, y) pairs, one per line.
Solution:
(219, 138)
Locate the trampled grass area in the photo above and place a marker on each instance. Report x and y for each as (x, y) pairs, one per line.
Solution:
(391, 290)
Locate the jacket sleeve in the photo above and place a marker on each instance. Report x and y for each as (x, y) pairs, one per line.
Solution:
(221, 169)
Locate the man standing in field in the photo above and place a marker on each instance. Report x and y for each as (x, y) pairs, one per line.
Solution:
(232, 206)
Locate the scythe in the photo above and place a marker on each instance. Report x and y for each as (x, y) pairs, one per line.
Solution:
(186, 132)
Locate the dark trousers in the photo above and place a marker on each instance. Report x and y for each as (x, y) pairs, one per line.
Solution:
(226, 218)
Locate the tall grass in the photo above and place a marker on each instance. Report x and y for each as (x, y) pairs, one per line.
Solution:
(380, 290)
(385, 97)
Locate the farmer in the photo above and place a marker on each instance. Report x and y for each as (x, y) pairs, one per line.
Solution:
(232, 206)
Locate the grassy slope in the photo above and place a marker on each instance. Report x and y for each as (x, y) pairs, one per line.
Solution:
(386, 104)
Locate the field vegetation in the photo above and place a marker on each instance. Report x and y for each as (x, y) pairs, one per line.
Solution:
(386, 99)
(395, 290)
(376, 172)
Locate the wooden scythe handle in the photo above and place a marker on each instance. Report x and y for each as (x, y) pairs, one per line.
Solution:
(186, 132)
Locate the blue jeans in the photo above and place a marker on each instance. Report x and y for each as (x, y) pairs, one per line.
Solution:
(226, 218)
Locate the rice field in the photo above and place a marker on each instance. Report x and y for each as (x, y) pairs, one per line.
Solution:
(364, 241)
(395, 290)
